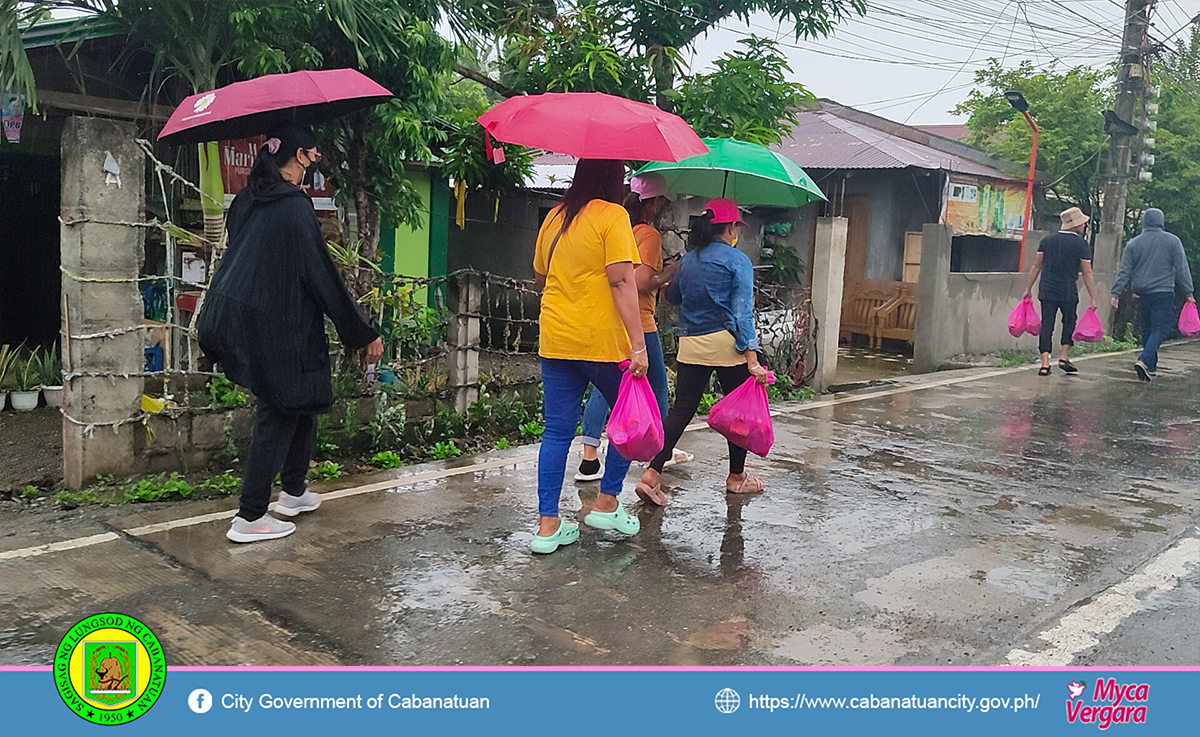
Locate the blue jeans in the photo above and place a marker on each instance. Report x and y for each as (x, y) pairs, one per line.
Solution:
(1156, 316)
(563, 384)
(595, 412)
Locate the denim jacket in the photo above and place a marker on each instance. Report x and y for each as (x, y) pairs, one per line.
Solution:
(715, 291)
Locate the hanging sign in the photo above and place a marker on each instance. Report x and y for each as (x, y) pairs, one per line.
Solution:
(12, 113)
(984, 207)
(237, 159)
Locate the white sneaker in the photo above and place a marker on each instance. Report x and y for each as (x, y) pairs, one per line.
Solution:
(290, 506)
(265, 527)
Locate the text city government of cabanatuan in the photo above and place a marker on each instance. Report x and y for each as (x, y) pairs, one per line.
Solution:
(378, 701)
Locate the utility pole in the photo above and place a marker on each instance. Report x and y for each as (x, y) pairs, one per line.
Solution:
(1132, 79)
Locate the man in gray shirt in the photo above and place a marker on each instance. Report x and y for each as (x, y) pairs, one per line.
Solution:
(1153, 267)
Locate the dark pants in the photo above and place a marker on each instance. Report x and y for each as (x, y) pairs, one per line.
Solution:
(1049, 308)
(691, 381)
(1156, 317)
(283, 444)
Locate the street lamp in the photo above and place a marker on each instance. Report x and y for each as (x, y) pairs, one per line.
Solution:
(1017, 100)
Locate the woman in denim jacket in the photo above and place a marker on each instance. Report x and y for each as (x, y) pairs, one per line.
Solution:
(715, 293)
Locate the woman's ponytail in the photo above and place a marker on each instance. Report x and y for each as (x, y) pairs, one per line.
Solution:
(281, 145)
(704, 231)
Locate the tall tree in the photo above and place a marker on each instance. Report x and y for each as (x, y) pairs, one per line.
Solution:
(1066, 106)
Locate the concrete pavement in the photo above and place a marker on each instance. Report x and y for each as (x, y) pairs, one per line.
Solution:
(981, 517)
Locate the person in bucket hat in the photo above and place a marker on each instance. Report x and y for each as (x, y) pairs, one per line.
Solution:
(714, 290)
(1060, 258)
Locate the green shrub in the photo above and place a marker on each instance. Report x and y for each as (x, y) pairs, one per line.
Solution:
(224, 393)
(443, 450)
(502, 444)
(326, 471)
(532, 430)
(707, 401)
(386, 459)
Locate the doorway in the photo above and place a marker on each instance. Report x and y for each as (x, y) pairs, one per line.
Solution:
(30, 283)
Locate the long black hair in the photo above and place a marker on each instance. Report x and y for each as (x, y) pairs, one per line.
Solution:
(636, 207)
(704, 231)
(595, 179)
(266, 167)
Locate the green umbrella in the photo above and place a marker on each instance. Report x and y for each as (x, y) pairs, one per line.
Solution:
(746, 173)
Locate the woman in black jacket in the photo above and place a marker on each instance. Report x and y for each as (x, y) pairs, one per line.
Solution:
(263, 322)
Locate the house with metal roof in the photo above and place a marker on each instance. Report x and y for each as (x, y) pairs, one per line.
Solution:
(888, 180)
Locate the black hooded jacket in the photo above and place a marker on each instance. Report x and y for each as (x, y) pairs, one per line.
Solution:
(263, 317)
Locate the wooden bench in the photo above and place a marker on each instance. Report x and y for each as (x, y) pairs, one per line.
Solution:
(895, 319)
(859, 313)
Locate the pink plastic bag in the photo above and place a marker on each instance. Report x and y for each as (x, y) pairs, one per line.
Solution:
(744, 417)
(1189, 320)
(1024, 319)
(1033, 323)
(1089, 329)
(635, 427)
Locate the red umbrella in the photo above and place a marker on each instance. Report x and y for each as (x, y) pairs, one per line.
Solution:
(245, 109)
(593, 125)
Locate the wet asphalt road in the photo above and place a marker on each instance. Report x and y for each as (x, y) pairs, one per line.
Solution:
(985, 517)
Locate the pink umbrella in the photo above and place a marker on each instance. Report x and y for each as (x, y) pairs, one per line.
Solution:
(593, 125)
(244, 109)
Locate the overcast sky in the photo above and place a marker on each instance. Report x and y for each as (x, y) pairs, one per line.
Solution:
(914, 59)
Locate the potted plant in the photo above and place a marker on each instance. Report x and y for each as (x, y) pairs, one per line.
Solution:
(28, 387)
(50, 373)
(7, 358)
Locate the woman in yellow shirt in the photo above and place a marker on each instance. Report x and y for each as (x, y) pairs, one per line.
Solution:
(589, 324)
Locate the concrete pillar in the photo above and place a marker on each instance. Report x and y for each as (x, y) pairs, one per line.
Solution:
(828, 270)
(463, 336)
(97, 257)
(930, 346)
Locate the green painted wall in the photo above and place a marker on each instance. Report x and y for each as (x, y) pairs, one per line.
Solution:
(405, 249)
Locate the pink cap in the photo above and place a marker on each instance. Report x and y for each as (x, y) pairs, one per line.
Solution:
(649, 186)
(724, 211)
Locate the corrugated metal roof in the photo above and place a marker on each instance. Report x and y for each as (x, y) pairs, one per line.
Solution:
(824, 140)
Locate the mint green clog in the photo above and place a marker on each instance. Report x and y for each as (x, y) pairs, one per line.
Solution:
(618, 520)
(566, 534)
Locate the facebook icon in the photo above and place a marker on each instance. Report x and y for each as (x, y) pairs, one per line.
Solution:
(200, 701)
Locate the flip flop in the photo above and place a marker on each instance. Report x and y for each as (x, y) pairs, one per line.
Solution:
(651, 494)
(750, 485)
(1068, 367)
(1044, 371)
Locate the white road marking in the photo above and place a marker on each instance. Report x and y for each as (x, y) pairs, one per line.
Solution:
(1082, 628)
(79, 542)
(399, 483)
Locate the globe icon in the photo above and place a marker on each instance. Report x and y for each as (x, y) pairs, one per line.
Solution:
(728, 701)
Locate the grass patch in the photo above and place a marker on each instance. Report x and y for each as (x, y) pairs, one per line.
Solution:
(1108, 345)
(1011, 358)
(163, 487)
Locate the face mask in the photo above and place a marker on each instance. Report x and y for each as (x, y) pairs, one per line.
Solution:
(311, 172)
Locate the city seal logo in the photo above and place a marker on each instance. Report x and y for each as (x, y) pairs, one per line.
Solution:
(109, 669)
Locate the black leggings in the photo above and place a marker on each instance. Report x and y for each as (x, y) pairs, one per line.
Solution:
(691, 381)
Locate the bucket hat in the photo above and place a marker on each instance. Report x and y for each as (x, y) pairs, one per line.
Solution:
(1073, 217)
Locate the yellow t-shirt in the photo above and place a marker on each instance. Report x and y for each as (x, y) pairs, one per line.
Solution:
(579, 320)
(649, 246)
